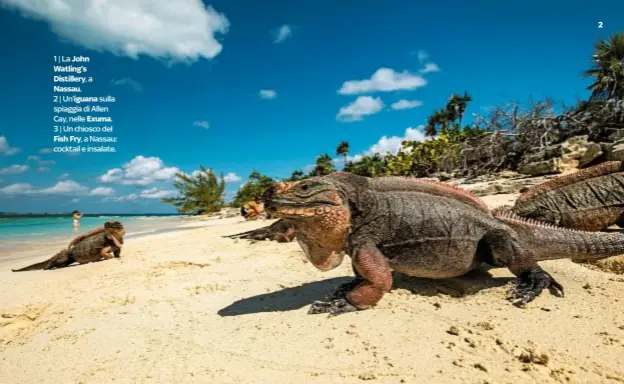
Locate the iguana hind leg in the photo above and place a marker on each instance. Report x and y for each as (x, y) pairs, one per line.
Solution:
(531, 279)
(530, 284)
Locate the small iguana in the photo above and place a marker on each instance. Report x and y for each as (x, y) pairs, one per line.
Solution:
(87, 248)
(590, 199)
(429, 230)
(282, 231)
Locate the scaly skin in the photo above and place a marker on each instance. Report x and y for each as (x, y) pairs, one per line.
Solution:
(432, 233)
(282, 231)
(591, 199)
(90, 247)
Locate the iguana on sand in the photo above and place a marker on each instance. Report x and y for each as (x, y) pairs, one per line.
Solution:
(420, 229)
(590, 199)
(282, 231)
(89, 247)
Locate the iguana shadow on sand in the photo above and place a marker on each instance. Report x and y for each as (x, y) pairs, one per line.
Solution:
(295, 298)
(100, 243)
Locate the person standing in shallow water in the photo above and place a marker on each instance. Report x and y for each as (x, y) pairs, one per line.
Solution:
(77, 215)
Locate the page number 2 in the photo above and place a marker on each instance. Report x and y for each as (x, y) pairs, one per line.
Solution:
(600, 24)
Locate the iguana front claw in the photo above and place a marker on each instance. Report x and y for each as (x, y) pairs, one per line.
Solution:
(529, 285)
(334, 307)
(341, 291)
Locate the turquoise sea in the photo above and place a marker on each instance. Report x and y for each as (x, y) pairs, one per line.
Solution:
(21, 234)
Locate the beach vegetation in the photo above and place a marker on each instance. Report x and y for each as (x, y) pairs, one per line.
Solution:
(255, 186)
(201, 192)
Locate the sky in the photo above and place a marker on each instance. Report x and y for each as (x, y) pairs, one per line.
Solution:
(238, 85)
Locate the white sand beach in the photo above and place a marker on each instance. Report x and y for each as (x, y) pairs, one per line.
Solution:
(192, 307)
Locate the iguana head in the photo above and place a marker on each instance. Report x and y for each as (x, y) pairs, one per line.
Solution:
(115, 231)
(319, 208)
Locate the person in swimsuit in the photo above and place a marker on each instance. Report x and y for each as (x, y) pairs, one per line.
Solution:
(77, 215)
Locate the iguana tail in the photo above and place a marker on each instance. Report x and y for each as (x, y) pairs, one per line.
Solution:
(549, 242)
(34, 267)
(48, 264)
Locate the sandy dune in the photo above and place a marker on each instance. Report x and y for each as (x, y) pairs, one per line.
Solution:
(191, 307)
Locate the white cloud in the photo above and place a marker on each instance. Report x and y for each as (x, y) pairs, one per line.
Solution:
(67, 187)
(393, 144)
(130, 197)
(422, 55)
(267, 94)
(156, 193)
(63, 176)
(406, 104)
(362, 106)
(47, 162)
(75, 200)
(203, 124)
(43, 169)
(140, 171)
(33, 158)
(44, 151)
(231, 177)
(128, 81)
(423, 58)
(152, 193)
(17, 189)
(282, 33)
(383, 80)
(430, 67)
(182, 30)
(13, 169)
(6, 149)
(102, 191)
(111, 176)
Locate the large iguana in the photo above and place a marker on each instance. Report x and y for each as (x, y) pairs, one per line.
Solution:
(89, 247)
(283, 230)
(590, 199)
(428, 230)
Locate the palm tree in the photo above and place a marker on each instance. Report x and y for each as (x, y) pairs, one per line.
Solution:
(343, 149)
(439, 118)
(324, 166)
(456, 107)
(462, 104)
(430, 128)
(607, 69)
(369, 166)
(296, 175)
